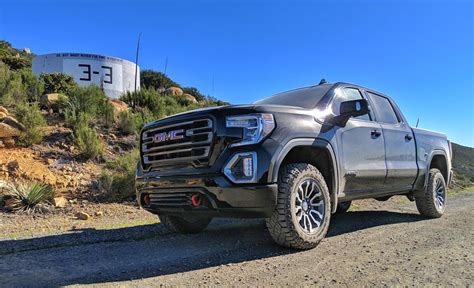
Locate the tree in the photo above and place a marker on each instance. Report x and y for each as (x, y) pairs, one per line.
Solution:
(156, 80)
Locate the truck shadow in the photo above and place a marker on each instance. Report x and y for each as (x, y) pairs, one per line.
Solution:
(149, 250)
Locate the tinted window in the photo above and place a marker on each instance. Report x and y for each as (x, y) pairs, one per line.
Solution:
(347, 94)
(383, 109)
(305, 97)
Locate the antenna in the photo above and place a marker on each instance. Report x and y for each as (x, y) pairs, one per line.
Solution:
(166, 65)
(136, 60)
(212, 86)
(417, 121)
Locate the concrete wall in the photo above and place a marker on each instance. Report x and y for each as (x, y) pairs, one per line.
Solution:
(115, 75)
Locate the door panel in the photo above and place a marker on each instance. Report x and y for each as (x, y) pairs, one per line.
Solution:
(400, 155)
(363, 156)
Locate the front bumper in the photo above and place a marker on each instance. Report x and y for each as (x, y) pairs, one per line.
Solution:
(220, 197)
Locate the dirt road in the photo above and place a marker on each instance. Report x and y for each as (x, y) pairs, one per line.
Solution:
(384, 245)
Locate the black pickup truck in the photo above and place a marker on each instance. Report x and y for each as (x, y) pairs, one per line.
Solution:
(293, 158)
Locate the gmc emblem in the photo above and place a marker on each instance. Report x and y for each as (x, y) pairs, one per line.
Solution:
(168, 136)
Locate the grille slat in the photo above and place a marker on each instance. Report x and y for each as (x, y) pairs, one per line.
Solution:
(193, 148)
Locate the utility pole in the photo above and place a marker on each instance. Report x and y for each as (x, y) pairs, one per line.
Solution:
(166, 65)
(136, 60)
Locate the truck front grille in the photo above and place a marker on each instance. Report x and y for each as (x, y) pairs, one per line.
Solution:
(192, 146)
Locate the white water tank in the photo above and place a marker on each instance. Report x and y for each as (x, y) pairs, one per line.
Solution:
(114, 75)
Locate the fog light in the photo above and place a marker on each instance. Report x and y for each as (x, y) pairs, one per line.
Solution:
(242, 168)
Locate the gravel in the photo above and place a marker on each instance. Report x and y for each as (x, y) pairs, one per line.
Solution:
(387, 244)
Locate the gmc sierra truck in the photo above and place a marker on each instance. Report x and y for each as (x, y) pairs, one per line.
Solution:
(294, 158)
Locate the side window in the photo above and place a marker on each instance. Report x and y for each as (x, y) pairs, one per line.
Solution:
(383, 109)
(347, 94)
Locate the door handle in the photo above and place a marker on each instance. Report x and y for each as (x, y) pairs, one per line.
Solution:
(375, 133)
(408, 137)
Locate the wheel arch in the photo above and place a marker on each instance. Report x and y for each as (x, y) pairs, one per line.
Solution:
(315, 151)
(439, 161)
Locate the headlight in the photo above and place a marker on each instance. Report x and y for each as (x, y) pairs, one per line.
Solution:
(255, 127)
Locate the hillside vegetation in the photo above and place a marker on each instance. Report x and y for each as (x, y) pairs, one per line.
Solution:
(73, 138)
(463, 165)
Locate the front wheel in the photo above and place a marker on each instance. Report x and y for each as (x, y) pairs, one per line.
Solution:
(301, 217)
(184, 225)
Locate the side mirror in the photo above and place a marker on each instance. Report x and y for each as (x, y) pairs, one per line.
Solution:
(350, 109)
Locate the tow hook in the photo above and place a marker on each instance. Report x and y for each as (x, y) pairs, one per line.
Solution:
(146, 199)
(196, 200)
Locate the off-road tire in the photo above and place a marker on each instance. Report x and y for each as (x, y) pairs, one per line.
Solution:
(282, 227)
(425, 201)
(184, 226)
(343, 207)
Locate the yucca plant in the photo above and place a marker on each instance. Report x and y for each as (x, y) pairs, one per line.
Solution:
(24, 196)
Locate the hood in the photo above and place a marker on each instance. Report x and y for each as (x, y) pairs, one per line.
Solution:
(228, 110)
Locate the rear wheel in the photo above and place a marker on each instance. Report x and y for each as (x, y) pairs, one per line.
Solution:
(184, 225)
(432, 202)
(301, 218)
(343, 207)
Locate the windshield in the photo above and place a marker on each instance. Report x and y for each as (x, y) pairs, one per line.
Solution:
(304, 97)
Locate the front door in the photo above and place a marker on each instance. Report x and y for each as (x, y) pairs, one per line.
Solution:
(361, 149)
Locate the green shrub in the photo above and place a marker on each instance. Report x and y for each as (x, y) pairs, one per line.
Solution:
(24, 196)
(89, 100)
(155, 80)
(32, 85)
(133, 122)
(30, 116)
(86, 138)
(106, 114)
(11, 87)
(58, 83)
(118, 179)
(145, 97)
(127, 122)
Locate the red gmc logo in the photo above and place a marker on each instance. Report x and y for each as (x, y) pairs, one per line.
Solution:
(168, 136)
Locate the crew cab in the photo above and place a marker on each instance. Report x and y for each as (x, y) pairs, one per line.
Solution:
(293, 158)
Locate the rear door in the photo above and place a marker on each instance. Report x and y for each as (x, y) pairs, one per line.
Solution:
(400, 150)
(362, 149)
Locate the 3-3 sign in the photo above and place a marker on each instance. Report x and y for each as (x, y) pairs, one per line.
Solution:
(88, 73)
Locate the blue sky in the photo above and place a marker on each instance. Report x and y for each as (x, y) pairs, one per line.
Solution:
(419, 52)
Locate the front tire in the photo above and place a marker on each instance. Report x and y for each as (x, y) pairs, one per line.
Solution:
(301, 217)
(432, 202)
(184, 225)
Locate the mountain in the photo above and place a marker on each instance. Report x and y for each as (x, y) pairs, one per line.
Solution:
(463, 164)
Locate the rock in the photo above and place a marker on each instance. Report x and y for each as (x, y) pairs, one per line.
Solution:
(8, 142)
(27, 51)
(99, 213)
(119, 107)
(9, 126)
(7, 131)
(174, 91)
(3, 115)
(13, 166)
(4, 110)
(60, 202)
(44, 208)
(50, 100)
(82, 216)
(190, 97)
